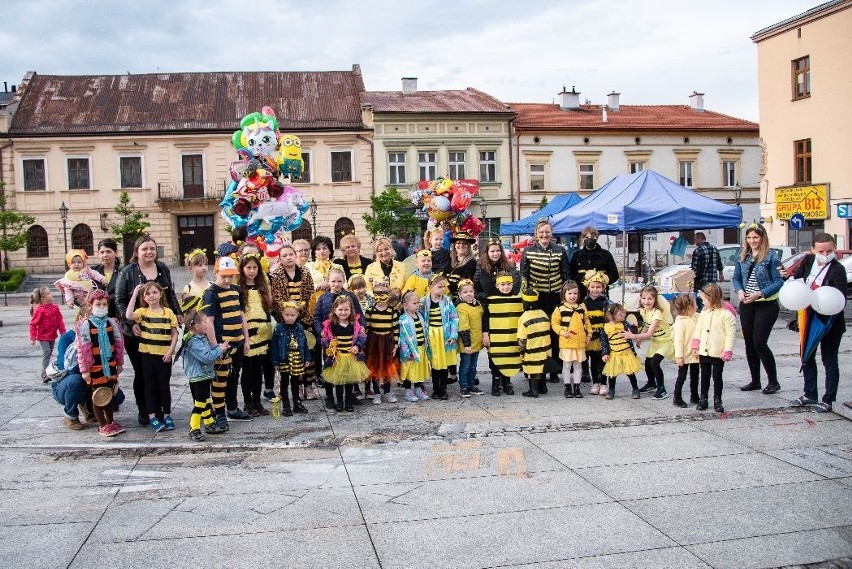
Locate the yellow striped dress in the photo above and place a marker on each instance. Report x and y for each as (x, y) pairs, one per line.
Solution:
(661, 342)
(534, 327)
(417, 372)
(622, 360)
(441, 358)
(259, 324)
(502, 323)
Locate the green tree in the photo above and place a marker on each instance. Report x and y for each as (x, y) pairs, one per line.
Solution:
(13, 228)
(392, 214)
(543, 202)
(134, 222)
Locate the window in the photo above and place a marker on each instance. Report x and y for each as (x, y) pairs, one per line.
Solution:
(537, 178)
(130, 168)
(685, 169)
(636, 167)
(78, 174)
(342, 226)
(193, 175)
(731, 235)
(587, 176)
(341, 166)
(396, 168)
(729, 173)
(427, 165)
(303, 231)
(81, 238)
(305, 178)
(488, 166)
(37, 242)
(688, 235)
(803, 161)
(801, 77)
(456, 163)
(34, 178)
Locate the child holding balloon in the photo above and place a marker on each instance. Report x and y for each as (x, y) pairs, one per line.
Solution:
(821, 271)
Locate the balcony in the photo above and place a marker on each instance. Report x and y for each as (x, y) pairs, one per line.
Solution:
(182, 191)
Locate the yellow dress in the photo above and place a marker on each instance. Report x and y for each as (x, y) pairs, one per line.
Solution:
(534, 327)
(504, 311)
(345, 367)
(622, 360)
(441, 358)
(419, 371)
(661, 342)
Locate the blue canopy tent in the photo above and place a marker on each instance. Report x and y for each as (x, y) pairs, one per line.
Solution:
(645, 202)
(526, 225)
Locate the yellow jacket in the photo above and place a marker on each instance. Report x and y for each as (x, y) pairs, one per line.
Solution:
(373, 274)
(470, 320)
(575, 321)
(682, 332)
(714, 331)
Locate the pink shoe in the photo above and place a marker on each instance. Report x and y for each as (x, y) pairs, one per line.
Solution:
(603, 390)
(595, 390)
(117, 429)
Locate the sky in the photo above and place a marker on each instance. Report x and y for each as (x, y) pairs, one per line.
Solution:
(651, 51)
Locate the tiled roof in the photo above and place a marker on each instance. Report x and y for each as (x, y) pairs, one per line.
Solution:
(549, 117)
(468, 100)
(176, 102)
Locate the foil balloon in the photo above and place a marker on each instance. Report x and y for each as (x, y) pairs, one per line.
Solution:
(292, 163)
(473, 225)
(461, 200)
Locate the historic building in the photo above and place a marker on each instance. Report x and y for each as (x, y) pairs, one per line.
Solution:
(573, 147)
(78, 142)
(803, 78)
(422, 135)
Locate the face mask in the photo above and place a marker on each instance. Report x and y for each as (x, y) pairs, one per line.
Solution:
(591, 242)
(99, 311)
(823, 259)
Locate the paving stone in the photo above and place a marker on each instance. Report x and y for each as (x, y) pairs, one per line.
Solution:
(42, 545)
(829, 461)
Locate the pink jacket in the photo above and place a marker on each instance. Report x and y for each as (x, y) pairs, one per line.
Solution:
(84, 344)
(47, 323)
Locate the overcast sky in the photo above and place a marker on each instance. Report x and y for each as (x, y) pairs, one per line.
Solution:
(652, 51)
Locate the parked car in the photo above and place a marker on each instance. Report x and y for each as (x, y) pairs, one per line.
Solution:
(847, 264)
(792, 263)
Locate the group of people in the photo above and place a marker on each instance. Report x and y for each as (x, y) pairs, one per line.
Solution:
(358, 326)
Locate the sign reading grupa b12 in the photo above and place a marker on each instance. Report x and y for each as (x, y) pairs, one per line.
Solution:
(810, 201)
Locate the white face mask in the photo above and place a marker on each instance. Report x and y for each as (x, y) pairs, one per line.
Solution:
(823, 259)
(99, 311)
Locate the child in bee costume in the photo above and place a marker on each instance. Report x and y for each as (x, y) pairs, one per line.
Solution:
(534, 342)
(500, 334)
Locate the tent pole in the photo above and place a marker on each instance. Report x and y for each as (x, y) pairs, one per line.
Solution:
(624, 263)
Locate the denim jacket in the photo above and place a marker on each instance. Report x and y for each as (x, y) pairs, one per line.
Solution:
(279, 347)
(198, 358)
(769, 280)
(449, 319)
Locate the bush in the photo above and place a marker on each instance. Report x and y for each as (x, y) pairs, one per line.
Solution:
(11, 280)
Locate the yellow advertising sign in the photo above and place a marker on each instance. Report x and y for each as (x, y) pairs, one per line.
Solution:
(810, 201)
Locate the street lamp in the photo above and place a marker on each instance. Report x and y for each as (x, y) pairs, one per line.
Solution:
(313, 210)
(63, 215)
(483, 210)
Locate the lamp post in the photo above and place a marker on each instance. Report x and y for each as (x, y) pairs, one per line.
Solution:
(313, 210)
(483, 210)
(63, 215)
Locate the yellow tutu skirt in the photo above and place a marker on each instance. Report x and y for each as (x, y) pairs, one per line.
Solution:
(572, 354)
(663, 347)
(345, 370)
(441, 358)
(623, 363)
(416, 372)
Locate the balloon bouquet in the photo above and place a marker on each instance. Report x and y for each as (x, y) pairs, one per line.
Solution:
(447, 204)
(826, 304)
(255, 198)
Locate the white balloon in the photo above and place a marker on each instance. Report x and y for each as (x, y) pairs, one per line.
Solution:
(828, 300)
(795, 295)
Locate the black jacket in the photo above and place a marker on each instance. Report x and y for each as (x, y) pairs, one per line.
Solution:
(110, 288)
(129, 278)
(598, 259)
(835, 277)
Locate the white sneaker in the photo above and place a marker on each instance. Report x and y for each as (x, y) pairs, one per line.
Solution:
(603, 390)
(377, 399)
(390, 397)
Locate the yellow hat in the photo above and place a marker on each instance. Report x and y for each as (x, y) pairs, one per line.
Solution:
(596, 276)
(69, 256)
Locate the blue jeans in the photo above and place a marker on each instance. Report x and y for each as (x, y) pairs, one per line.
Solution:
(467, 369)
(73, 391)
(828, 347)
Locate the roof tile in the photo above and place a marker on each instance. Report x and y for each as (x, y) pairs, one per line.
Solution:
(468, 100)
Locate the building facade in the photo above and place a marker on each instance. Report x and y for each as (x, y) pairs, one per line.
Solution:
(422, 135)
(78, 142)
(573, 147)
(803, 77)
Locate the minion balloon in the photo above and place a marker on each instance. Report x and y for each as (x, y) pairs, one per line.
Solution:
(292, 163)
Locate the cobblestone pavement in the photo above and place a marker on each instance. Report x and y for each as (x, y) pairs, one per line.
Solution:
(480, 482)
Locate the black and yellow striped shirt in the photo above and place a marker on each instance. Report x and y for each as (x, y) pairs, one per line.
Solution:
(225, 305)
(534, 327)
(343, 335)
(545, 269)
(418, 330)
(259, 324)
(157, 329)
(501, 322)
(383, 322)
(435, 316)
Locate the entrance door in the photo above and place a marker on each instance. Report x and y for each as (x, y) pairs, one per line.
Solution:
(196, 232)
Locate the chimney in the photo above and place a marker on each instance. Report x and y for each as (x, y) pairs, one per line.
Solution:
(696, 101)
(14, 88)
(5, 86)
(569, 101)
(612, 101)
(603, 114)
(409, 85)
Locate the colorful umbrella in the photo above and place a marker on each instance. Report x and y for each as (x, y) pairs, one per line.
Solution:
(812, 328)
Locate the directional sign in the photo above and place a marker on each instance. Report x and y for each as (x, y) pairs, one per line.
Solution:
(810, 201)
(797, 221)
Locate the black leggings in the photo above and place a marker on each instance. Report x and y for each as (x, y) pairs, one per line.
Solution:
(711, 366)
(654, 371)
(692, 369)
(158, 395)
(611, 382)
(131, 348)
(548, 301)
(252, 380)
(294, 381)
(439, 381)
(757, 319)
(595, 366)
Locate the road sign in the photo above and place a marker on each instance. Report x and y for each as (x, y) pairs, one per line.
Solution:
(797, 221)
(810, 201)
(844, 210)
